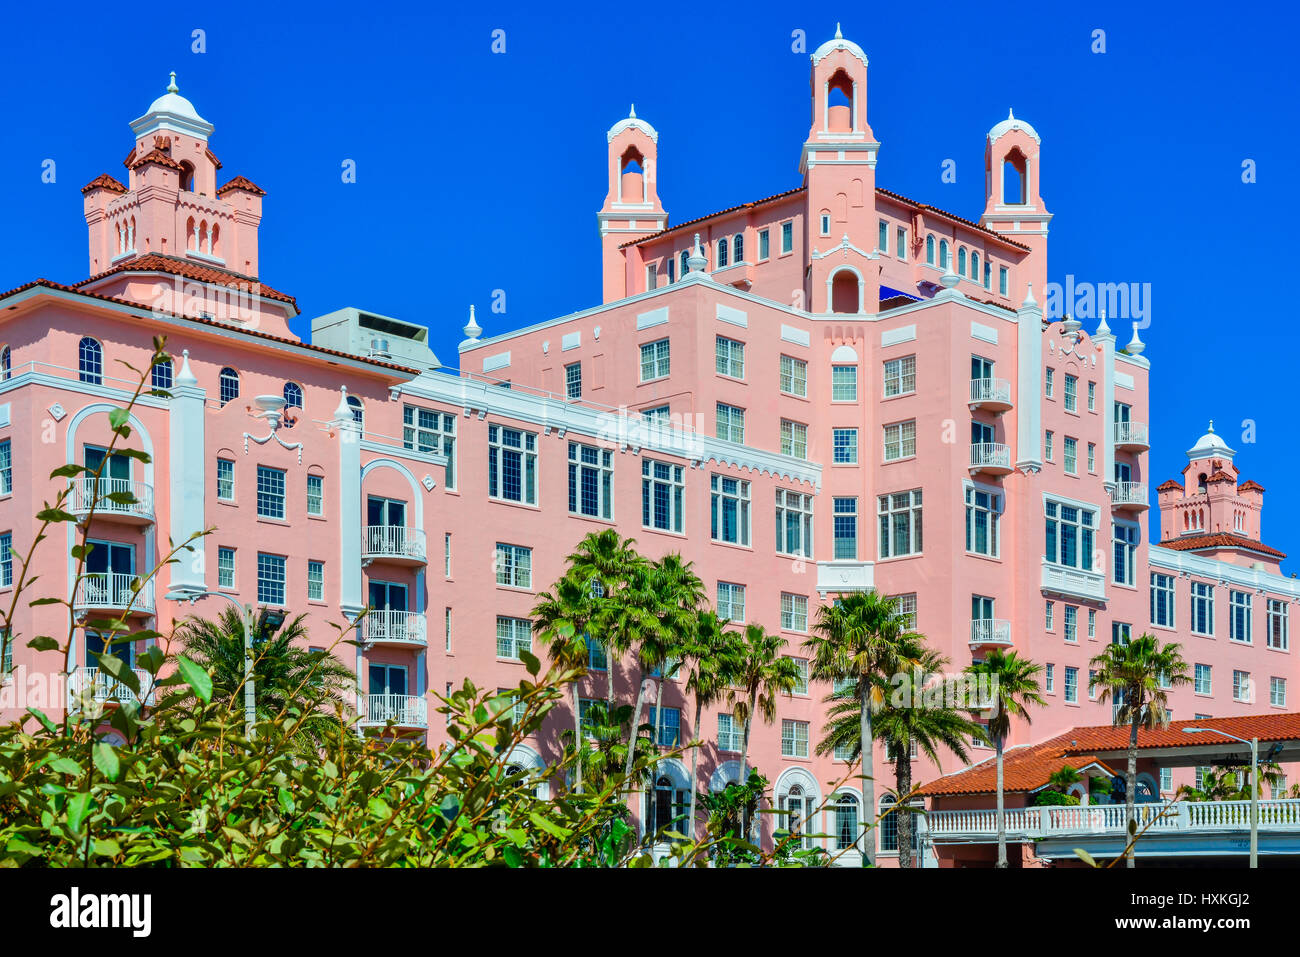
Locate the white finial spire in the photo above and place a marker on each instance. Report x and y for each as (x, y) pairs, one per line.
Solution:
(696, 262)
(1102, 328)
(172, 87)
(186, 376)
(1030, 301)
(631, 115)
(472, 329)
(1011, 115)
(838, 35)
(1211, 425)
(1135, 345)
(343, 413)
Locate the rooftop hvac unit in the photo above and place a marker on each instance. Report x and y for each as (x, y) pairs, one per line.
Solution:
(379, 347)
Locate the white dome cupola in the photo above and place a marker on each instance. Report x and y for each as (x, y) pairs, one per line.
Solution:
(174, 113)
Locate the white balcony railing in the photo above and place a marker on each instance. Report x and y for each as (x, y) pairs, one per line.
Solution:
(994, 393)
(88, 492)
(1073, 582)
(990, 457)
(990, 631)
(395, 627)
(114, 591)
(394, 541)
(404, 710)
(103, 686)
(1129, 494)
(1131, 435)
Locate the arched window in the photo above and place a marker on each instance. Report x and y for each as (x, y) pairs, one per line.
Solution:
(929, 250)
(988, 275)
(845, 292)
(187, 176)
(160, 375)
(191, 234)
(631, 185)
(738, 247)
(1015, 170)
(358, 410)
(90, 358)
(292, 395)
(666, 807)
(212, 240)
(6, 363)
(961, 260)
(722, 253)
(799, 817)
(846, 821)
(943, 254)
(839, 102)
(889, 827)
(229, 382)
(685, 268)
(975, 266)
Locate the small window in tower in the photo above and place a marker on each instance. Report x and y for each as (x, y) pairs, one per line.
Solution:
(187, 176)
(1200, 481)
(826, 223)
(1014, 170)
(839, 103)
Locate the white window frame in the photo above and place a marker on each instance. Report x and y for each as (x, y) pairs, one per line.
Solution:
(793, 376)
(899, 376)
(901, 436)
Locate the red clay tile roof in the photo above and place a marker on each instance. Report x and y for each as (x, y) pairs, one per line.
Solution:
(130, 158)
(240, 182)
(926, 207)
(156, 156)
(213, 157)
(104, 181)
(1023, 769)
(153, 262)
(146, 310)
(1169, 485)
(1250, 485)
(1220, 476)
(721, 212)
(1188, 543)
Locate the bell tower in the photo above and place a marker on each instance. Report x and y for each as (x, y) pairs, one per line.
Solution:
(632, 208)
(838, 162)
(1012, 203)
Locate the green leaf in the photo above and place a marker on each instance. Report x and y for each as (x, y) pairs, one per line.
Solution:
(530, 662)
(78, 810)
(120, 670)
(549, 827)
(196, 678)
(46, 723)
(151, 659)
(54, 514)
(69, 471)
(106, 760)
(1085, 857)
(65, 766)
(43, 643)
(118, 417)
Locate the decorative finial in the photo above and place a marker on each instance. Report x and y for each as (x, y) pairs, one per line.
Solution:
(172, 87)
(632, 112)
(186, 376)
(838, 35)
(472, 329)
(1102, 328)
(1211, 425)
(343, 413)
(1010, 113)
(696, 262)
(1030, 301)
(1135, 345)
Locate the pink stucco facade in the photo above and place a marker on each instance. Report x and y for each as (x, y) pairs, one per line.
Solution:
(870, 370)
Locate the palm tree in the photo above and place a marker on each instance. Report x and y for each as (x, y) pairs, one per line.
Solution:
(1012, 684)
(560, 621)
(1232, 783)
(286, 674)
(608, 563)
(927, 724)
(761, 675)
(1135, 675)
(1064, 779)
(862, 639)
(712, 652)
(601, 745)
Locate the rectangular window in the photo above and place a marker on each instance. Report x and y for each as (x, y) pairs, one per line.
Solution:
(731, 602)
(1071, 455)
(1071, 627)
(270, 579)
(1239, 616)
(1125, 542)
(844, 446)
(900, 376)
(1092, 686)
(787, 237)
(1202, 679)
(906, 608)
(845, 522)
(1071, 393)
(728, 733)
(573, 380)
(6, 468)
(729, 357)
(225, 567)
(1277, 624)
(794, 739)
(1049, 678)
(794, 617)
(669, 727)
(729, 508)
(1049, 382)
(591, 481)
(424, 430)
(1241, 686)
(663, 490)
(1120, 632)
(900, 440)
(1072, 685)
(1002, 280)
(225, 480)
(1203, 609)
(1092, 457)
(900, 243)
(794, 523)
(983, 515)
(900, 523)
(1162, 600)
(794, 439)
(446, 626)
(730, 423)
(882, 241)
(1277, 692)
(764, 244)
(1092, 623)
(1049, 616)
(1092, 397)
(446, 555)
(844, 383)
(512, 465)
(1070, 534)
(656, 360)
(270, 492)
(513, 636)
(794, 376)
(801, 675)
(1166, 780)
(597, 660)
(514, 566)
(1049, 445)
(826, 224)
(315, 581)
(315, 495)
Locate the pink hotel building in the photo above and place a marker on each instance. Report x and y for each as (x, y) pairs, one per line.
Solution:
(834, 388)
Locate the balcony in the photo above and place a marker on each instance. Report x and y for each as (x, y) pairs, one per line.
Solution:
(394, 544)
(403, 710)
(1130, 496)
(990, 632)
(1131, 436)
(113, 593)
(104, 687)
(117, 500)
(845, 576)
(991, 394)
(1073, 582)
(401, 629)
(991, 458)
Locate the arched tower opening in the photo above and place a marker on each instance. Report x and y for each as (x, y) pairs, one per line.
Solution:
(1015, 178)
(839, 102)
(631, 167)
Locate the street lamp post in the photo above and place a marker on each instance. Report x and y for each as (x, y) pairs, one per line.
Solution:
(246, 621)
(1254, 787)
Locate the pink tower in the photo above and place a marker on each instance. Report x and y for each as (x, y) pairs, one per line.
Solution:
(1013, 206)
(632, 209)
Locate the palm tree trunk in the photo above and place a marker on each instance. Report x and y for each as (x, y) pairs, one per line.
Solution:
(631, 740)
(744, 759)
(1001, 812)
(659, 706)
(1130, 792)
(903, 775)
(695, 764)
(577, 739)
(867, 748)
(609, 675)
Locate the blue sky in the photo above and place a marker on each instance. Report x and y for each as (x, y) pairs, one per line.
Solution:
(1141, 165)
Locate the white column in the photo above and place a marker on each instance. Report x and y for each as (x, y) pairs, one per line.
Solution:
(187, 475)
(1107, 342)
(1029, 388)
